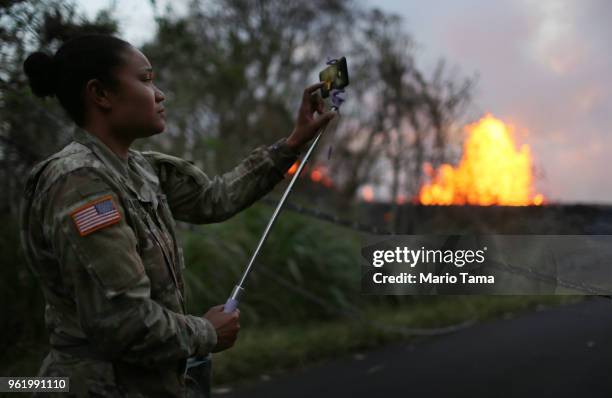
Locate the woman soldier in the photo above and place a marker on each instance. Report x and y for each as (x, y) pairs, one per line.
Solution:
(98, 224)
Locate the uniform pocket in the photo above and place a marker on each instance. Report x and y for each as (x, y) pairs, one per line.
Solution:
(87, 377)
(164, 210)
(156, 266)
(150, 248)
(168, 218)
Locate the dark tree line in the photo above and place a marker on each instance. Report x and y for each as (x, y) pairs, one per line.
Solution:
(232, 72)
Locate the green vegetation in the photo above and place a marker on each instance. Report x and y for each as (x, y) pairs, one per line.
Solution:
(230, 91)
(265, 350)
(301, 257)
(302, 302)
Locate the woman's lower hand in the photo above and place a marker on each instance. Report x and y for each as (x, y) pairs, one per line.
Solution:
(226, 325)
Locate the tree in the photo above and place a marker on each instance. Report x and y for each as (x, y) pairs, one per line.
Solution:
(32, 128)
(400, 118)
(233, 72)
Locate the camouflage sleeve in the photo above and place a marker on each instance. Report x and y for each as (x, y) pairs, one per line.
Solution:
(197, 198)
(107, 279)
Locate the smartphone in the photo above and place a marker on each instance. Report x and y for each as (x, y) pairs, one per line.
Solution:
(335, 75)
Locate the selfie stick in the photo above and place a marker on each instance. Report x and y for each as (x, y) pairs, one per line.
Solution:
(232, 301)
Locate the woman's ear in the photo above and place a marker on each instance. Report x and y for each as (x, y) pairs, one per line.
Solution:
(98, 94)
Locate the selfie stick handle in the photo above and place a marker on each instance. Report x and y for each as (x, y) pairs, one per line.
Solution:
(232, 301)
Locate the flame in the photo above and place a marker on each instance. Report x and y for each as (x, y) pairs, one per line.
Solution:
(318, 174)
(491, 171)
(293, 167)
(367, 193)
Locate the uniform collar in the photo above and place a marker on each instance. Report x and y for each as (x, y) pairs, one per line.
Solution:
(110, 158)
(130, 176)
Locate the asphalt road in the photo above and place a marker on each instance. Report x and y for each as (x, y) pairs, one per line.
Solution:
(557, 352)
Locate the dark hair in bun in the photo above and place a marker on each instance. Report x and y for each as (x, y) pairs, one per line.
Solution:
(78, 60)
(40, 69)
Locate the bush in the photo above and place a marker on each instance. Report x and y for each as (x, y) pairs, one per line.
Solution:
(305, 269)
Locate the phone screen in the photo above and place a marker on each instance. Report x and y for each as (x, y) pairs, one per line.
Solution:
(335, 75)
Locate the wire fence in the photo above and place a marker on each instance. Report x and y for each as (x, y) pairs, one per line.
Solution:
(354, 225)
(361, 227)
(358, 314)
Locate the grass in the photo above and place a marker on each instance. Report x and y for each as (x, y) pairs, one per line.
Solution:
(268, 350)
(307, 255)
(262, 350)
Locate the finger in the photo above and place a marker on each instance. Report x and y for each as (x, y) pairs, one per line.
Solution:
(320, 105)
(311, 89)
(316, 103)
(323, 120)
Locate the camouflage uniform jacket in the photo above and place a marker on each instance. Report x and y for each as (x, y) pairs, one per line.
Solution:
(99, 234)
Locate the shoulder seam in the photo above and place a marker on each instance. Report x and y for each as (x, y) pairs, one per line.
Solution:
(63, 176)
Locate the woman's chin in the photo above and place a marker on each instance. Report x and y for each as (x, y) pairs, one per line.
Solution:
(159, 128)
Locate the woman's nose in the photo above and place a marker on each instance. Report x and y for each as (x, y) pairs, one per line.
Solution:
(159, 95)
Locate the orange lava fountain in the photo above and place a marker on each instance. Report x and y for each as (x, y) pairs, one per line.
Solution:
(491, 171)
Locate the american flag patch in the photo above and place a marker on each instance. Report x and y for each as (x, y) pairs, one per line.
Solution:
(95, 215)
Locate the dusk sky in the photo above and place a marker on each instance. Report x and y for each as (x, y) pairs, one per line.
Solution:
(543, 66)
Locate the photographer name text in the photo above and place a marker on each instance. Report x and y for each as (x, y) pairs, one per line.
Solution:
(423, 256)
